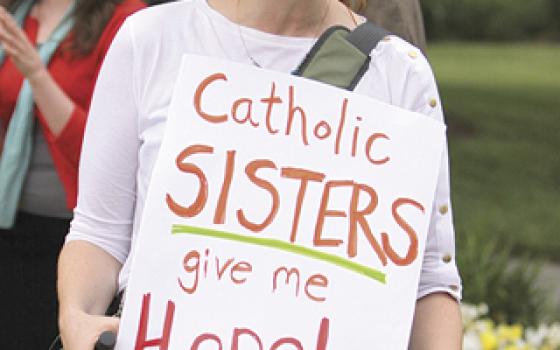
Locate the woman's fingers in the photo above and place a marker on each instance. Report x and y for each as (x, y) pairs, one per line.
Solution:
(9, 50)
(113, 324)
(8, 43)
(8, 38)
(11, 28)
(16, 44)
(83, 330)
(5, 35)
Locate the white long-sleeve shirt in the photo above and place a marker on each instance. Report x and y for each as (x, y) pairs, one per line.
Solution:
(133, 93)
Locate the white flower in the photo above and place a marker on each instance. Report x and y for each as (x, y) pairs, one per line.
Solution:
(536, 337)
(471, 341)
(478, 325)
(471, 313)
(554, 334)
(482, 309)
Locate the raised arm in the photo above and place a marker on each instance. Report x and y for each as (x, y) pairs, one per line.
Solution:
(51, 100)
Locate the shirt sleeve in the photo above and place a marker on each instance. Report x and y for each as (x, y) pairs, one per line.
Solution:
(107, 183)
(439, 271)
(69, 141)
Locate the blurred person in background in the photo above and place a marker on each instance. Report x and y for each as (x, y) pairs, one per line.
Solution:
(50, 54)
(401, 17)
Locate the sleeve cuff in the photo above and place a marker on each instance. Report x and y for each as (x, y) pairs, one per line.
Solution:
(446, 280)
(454, 291)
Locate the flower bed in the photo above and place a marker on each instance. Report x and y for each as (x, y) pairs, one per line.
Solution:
(481, 333)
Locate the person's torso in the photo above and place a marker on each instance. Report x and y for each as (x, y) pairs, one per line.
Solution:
(74, 75)
(160, 37)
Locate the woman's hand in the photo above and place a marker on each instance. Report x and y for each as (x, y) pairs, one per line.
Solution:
(87, 282)
(15, 43)
(54, 103)
(80, 330)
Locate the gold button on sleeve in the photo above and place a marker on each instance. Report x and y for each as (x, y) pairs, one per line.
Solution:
(433, 102)
(443, 209)
(447, 258)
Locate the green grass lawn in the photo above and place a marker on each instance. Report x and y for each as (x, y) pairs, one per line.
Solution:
(502, 105)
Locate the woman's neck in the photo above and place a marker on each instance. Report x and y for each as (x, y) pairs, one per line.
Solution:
(49, 13)
(303, 18)
(50, 8)
(53, 3)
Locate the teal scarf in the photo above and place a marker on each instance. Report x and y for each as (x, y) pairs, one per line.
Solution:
(16, 155)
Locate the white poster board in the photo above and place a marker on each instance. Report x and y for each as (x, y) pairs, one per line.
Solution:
(282, 214)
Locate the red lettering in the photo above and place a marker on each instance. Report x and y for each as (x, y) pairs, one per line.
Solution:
(192, 255)
(316, 280)
(251, 171)
(241, 266)
(198, 97)
(220, 214)
(341, 123)
(248, 112)
(238, 332)
(355, 137)
(288, 340)
(220, 270)
(412, 252)
(163, 342)
(322, 130)
(357, 217)
(204, 337)
(318, 240)
(288, 275)
(369, 143)
(196, 207)
(323, 337)
(304, 176)
(270, 101)
(192, 265)
(291, 113)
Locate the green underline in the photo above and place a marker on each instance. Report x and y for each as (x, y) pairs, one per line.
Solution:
(285, 246)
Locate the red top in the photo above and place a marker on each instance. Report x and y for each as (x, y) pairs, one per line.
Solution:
(76, 76)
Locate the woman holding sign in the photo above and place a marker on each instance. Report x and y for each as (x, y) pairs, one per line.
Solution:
(50, 53)
(125, 132)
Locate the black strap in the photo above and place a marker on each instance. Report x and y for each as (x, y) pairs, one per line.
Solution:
(366, 36)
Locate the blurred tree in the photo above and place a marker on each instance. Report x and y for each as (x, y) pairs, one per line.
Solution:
(554, 13)
(497, 20)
